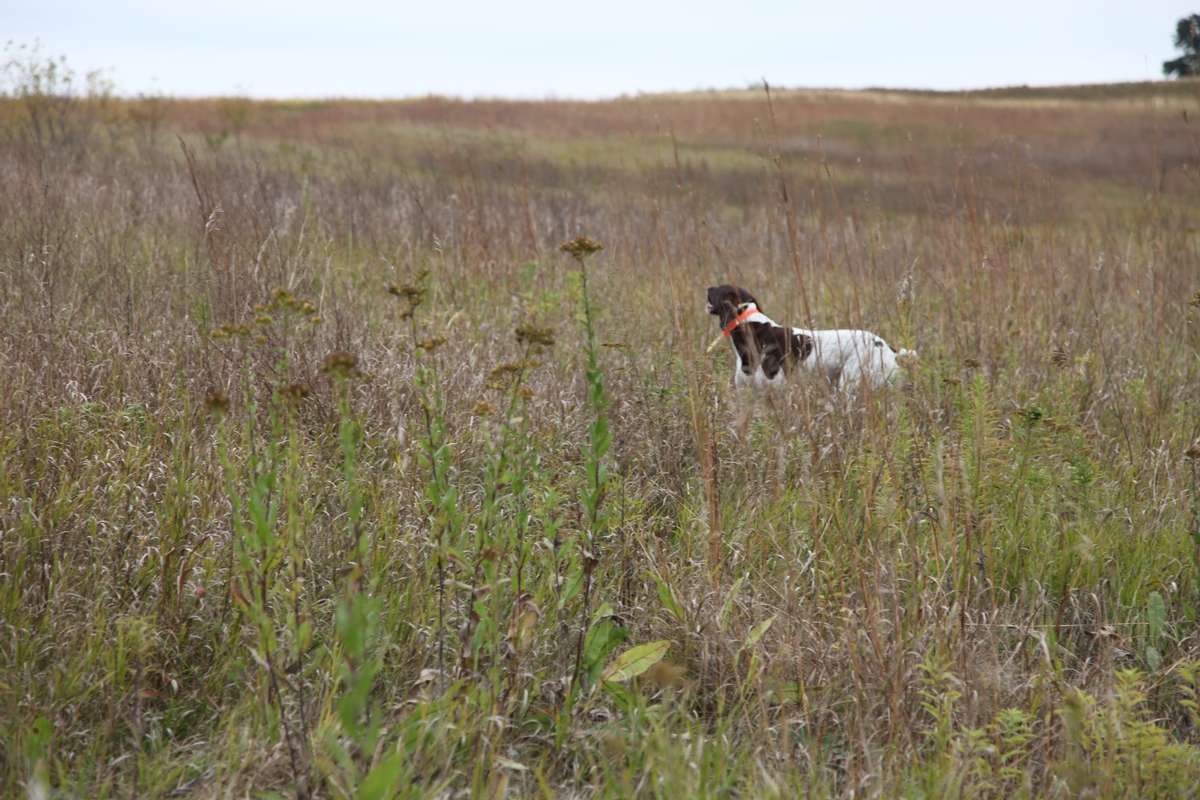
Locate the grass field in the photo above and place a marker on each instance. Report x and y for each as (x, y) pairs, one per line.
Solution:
(324, 472)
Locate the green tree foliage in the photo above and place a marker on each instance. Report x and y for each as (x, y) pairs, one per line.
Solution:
(1187, 39)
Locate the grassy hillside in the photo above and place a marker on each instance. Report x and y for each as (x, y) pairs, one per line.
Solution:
(325, 472)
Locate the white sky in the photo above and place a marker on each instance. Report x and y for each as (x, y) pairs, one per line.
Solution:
(559, 48)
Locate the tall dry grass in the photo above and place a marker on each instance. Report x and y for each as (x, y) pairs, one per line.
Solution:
(234, 563)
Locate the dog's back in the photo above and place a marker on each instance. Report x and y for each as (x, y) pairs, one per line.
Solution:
(849, 357)
(766, 350)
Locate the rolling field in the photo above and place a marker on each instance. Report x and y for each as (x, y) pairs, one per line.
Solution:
(326, 472)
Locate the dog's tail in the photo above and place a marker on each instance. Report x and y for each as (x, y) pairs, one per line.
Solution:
(907, 358)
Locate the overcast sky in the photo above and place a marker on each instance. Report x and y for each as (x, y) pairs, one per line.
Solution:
(559, 48)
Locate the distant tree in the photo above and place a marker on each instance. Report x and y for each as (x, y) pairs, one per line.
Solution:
(1187, 39)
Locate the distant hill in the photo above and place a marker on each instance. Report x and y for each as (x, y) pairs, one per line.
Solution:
(1183, 88)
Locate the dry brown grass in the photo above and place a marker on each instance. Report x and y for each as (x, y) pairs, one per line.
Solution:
(932, 593)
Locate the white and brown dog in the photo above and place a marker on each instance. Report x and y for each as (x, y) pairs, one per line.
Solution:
(767, 352)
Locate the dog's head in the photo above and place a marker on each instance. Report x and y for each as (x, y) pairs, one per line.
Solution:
(724, 300)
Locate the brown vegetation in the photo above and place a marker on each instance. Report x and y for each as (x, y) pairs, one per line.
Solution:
(267, 525)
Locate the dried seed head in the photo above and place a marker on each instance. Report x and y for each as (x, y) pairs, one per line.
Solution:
(502, 376)
(284, 302)
(216, 402)
(506, 369)
(483, 409)
(432, 343)
(231, 330)
(528, 333)
(340, 364)
(295, 392)
(413, 294)
(581, 247)
(665, 674)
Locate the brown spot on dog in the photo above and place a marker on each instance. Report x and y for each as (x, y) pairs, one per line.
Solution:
(773, 347)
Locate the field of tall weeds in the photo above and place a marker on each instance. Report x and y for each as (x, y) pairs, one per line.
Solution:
(354, 449)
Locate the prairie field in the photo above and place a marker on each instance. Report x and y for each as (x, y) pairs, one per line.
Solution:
(326, 472)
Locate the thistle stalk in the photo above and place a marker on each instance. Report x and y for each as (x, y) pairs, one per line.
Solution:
(599, 440)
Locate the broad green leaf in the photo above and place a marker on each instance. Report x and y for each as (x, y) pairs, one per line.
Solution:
(381, 780)
(37, 740)
(635, 661)
(666, 596)
(1153, 658)
(605, 609)
(1156, 615)
(603, 637)
(757, 632)
(624, 698)
(730, 598)
(788, 692)
(571, 586)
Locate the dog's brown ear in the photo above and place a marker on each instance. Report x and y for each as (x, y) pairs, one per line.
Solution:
(719, 302)
(802, 346)
(717, 296)
(745, 297)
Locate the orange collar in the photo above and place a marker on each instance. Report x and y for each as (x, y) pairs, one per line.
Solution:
(739, 319)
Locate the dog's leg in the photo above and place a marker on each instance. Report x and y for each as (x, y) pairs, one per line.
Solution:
(743, 410)
(786, 422)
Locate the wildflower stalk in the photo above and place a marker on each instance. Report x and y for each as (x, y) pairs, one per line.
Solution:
(436, 454)
(599, 440)
(261, 554)
(490, 546)
(507, 476)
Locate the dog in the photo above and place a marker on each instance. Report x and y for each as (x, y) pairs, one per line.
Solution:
(768, 352)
